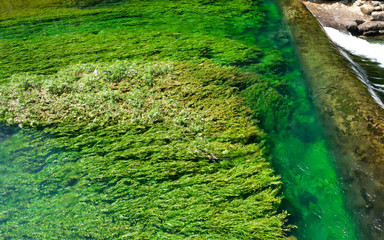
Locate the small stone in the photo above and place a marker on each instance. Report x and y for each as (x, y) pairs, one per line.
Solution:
(375, 3)
(358, 3)
(378, 16)
(367, 9)
(378, 8)
(371, 33)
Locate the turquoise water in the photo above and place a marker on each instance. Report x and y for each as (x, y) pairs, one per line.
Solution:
(300, 153)
(313, 189)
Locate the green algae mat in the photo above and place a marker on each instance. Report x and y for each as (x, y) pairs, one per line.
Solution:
(125, 120)
(168, 162)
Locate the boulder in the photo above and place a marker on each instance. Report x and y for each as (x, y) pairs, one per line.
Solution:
(375, 3)
(377, 16)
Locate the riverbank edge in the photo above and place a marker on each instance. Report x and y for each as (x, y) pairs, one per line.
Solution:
(353, 119)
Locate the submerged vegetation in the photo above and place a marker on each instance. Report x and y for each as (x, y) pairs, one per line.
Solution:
(178, 157)
(140, 120)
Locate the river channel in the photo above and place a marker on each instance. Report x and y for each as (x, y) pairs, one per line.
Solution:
(316, 192)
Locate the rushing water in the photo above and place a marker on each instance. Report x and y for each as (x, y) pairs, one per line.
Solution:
(366, 58)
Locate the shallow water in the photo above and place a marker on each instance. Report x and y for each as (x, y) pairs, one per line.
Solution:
(313, 190)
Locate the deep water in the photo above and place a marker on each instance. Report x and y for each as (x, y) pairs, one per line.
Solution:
(300, 152)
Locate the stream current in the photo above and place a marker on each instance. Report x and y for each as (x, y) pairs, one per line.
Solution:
(366, 58)
(314, 189)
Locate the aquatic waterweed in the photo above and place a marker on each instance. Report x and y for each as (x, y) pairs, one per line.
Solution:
(145, 150)
(160, 148)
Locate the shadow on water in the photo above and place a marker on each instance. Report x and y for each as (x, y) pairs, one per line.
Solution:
(6, 132)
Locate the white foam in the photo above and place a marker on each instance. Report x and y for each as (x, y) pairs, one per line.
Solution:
(357, 46)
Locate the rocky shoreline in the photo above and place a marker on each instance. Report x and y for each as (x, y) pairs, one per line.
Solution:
(360, 18)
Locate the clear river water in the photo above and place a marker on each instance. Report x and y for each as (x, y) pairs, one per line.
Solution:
(313, 187)
(314, 191)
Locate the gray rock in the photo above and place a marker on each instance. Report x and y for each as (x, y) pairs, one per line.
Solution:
(367, 9)
(371, 28)
(353, 29)
(377, 16)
